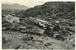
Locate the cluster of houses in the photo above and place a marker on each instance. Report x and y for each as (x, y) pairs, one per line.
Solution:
(39, 22)
(14, 20)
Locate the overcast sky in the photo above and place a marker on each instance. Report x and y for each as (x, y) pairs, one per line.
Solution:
(28, 3)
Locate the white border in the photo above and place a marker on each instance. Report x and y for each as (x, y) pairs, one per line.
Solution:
(30, 49)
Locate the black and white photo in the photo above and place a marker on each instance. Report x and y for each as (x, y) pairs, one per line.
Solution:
(38, 24)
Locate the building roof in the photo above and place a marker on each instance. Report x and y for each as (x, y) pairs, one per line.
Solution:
(37, 31)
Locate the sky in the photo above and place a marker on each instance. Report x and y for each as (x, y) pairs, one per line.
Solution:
(28, 3)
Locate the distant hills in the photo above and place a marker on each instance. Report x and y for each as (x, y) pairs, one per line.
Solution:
(49, 9)
(13, 6)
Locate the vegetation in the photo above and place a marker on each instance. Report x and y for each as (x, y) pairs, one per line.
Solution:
(52, 8)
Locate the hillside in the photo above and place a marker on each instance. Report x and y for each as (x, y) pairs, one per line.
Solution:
(51, 9)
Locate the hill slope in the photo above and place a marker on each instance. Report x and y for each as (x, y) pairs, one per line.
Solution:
(50, 8)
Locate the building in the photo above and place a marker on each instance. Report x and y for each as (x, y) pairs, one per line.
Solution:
(38, 21)
(12, 19)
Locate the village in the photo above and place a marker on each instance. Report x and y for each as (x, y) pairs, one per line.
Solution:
(50, 25)
(22, 33)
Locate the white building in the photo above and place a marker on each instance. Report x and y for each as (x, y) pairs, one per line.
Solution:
(38, 21)
(12, 19)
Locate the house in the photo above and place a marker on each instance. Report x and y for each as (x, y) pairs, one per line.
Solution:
(57, 21)
(3, 28)
(22, 27)
(37, 31)
(12, 19)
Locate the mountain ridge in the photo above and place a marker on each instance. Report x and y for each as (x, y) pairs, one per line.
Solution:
(14, 6)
